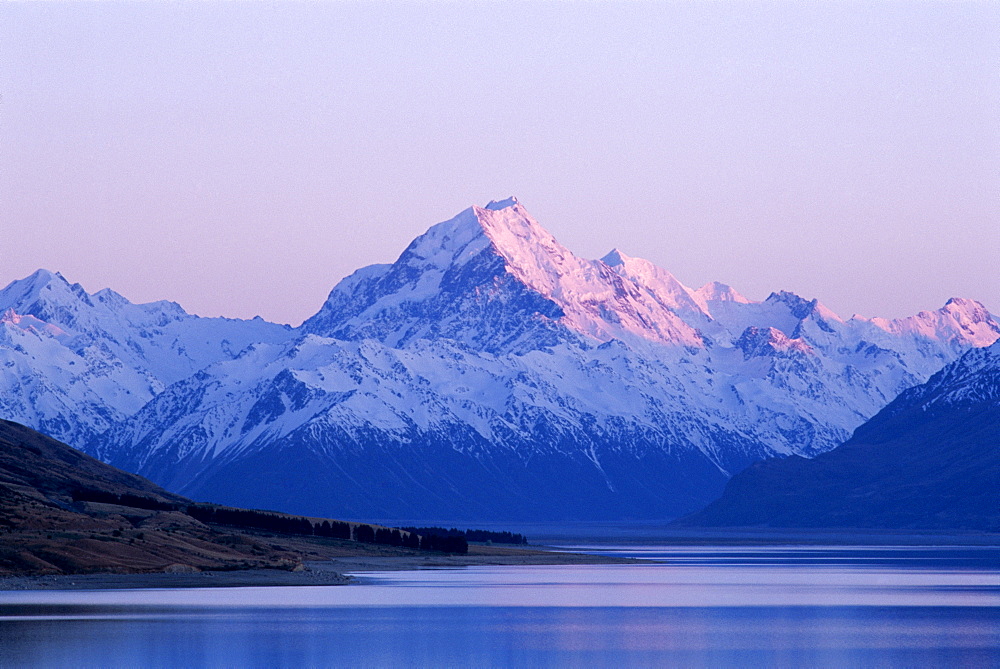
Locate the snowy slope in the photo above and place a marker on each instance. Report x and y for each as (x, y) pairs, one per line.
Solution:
(489, 372)
(493, 427)
(74, 363)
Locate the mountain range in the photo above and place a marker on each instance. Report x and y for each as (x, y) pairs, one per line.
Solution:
(75, 363)
(929, 460)
(488, 373)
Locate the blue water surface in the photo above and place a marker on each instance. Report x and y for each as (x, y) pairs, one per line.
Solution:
(688, 606)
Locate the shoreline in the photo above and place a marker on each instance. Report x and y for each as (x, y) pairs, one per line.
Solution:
(332, 571)
(338, 565)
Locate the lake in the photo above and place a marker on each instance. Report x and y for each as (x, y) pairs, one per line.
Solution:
(687, 606)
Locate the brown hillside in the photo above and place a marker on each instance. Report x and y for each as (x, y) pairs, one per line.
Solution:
(43, 530)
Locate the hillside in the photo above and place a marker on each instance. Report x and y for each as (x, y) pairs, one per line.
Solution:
(63, 512)
(43, 530)
(929, 460)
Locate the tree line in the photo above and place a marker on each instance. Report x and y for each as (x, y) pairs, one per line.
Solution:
(125, 499)
(407, 538)
(436, 539)
(272, 522)
(481, 536)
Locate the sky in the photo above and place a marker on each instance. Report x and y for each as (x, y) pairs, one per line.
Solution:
(241, 158)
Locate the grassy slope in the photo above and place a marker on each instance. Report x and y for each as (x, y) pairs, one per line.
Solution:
(43, 531)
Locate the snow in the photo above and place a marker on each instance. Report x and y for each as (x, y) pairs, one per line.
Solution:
(497, 205)
(32, 324)
(595, 300)
(719, 292)
(99, 357)
(662, 286)
(484, 326)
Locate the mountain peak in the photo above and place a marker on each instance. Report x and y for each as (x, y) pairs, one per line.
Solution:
(715, 291)
(111, 298)
(532, 253)
(799, 306)
(33, 283)
(44, 276)
(661, 284)
(596, 299)
(497, 205)
(972, 309)
(475, 253)
(42, 294)
(615, 258)
(962, 321)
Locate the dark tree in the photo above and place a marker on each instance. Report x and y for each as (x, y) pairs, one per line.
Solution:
(340, 530)
(365, 534)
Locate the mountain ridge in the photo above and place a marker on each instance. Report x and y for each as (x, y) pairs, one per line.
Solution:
(74, 362)
(489, 368)
(928, 460)
(475, 347)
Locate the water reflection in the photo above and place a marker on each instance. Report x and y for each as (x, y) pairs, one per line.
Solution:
(897, 557)
(703, 607)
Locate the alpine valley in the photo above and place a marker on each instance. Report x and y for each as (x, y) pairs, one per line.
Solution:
(487, 374)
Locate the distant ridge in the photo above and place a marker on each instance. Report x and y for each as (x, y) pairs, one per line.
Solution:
(929, 460)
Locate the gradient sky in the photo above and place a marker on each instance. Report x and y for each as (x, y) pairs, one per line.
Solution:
(241, 158)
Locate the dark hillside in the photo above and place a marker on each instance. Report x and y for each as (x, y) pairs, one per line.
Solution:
(930, 460)
(47, 527)
(62, 511)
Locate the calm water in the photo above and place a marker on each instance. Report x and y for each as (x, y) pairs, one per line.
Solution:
(704, 606)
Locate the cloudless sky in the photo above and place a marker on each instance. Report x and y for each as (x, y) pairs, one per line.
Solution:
(241, 158)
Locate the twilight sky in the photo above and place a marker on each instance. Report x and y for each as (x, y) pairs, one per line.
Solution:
(242, 158)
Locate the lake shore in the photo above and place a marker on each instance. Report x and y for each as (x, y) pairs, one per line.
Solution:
(333, 562)
(330, 571)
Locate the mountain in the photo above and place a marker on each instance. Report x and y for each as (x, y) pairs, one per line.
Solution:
(930, 459)
(44, 528)
(489, 373)
(493, 279)
(72, 364)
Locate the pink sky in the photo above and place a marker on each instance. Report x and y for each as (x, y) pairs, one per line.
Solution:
(242, 158)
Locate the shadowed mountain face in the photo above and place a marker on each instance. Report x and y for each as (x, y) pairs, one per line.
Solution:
(43, 530)
(488, 373)
(930, 459)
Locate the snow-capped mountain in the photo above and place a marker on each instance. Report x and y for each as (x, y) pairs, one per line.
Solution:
(72, 363)
(493, 278)
(930, 459)
(491, 373)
